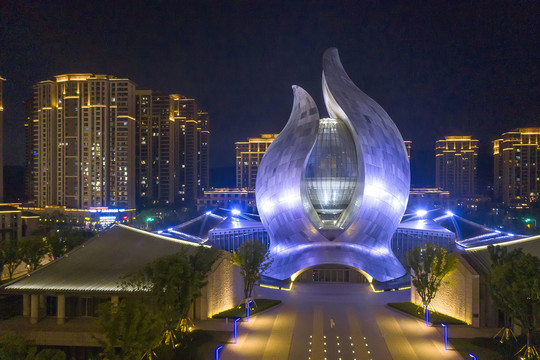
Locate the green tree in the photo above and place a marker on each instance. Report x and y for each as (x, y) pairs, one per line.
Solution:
(514, 283)
(253, 259)
(2, 260)
(11, 253)
(429, 266)
(60, 242)
(50, 354)
(133, 326)
(16, 348)
(33, 248)
(174, 282)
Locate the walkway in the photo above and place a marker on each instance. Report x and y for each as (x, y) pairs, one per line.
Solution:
(364, 329)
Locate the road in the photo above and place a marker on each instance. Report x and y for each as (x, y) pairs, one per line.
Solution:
(365, 329)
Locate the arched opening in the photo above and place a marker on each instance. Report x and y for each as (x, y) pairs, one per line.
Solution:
(331, 273)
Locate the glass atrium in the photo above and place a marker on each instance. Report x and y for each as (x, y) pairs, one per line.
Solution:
(331, 172)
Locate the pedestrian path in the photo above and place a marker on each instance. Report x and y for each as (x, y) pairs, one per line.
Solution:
(364, 328)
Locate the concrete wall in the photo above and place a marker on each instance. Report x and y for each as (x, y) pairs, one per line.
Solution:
(461, 297)
(225, 289)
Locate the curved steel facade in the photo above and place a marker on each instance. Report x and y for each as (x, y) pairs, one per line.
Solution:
(328, 201)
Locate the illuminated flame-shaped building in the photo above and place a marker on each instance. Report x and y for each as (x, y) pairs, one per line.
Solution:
(333, 190)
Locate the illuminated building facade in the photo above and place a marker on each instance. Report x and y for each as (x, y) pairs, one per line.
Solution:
(2, 138)
(517, 171)
(228, 198)
(29, 152)
(172, 140)
(203, 151)
(333, 191)
(455, 165)
(429, 198)
(194, 147)
(248, 157)
(84, 133)
(156, 142)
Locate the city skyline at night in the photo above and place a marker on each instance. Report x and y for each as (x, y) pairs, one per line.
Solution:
(439, 69)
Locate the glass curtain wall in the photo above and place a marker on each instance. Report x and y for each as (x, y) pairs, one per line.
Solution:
(331, 172)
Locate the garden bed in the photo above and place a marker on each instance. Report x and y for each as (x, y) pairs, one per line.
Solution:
(434, 317)
(486, 348)
(240, 310)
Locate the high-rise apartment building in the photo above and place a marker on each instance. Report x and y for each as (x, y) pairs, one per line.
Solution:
(193, 145)
(84, 134)
(456, 161)
(248, 157)
(156, 149)
(29, 151)
(203, 151)
(2, 138)
(517, 171)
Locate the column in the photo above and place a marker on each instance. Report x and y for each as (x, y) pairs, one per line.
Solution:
(114, 302)
(26, 304)
(34, 308)
(61, 309)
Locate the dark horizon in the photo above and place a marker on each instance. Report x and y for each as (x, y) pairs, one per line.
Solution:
(437, 69)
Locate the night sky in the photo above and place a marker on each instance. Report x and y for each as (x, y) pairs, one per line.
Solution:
(438, 67)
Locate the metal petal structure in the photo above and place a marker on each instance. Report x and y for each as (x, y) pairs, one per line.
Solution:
(332, 191)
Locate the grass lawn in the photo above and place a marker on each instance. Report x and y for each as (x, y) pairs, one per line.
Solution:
(434, 317)
(240, 310)
(486, 348)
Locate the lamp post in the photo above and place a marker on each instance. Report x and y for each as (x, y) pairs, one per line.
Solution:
(445, 336)
(217, 351)
(236, 330)
(427, 315)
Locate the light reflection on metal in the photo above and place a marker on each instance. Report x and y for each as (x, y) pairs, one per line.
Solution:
(308, 223)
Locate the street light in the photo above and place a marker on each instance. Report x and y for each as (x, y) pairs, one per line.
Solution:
(445, 336)
(236, 330)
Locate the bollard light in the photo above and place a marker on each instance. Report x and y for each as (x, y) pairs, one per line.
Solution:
(427, 316)
(236, 330)
(445, 336)
(247, 310)
(472, 356)
(217, 351)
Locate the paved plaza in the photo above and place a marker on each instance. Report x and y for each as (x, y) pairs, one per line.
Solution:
(365, 328)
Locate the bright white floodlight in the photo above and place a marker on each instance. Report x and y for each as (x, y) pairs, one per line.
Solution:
(449, 213)
(236, 212)
(421, 213)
